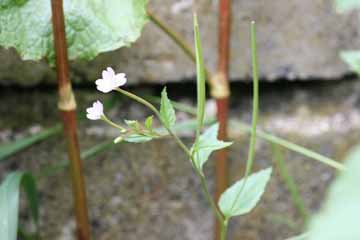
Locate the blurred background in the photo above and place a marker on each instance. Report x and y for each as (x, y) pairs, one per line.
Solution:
(307, 95)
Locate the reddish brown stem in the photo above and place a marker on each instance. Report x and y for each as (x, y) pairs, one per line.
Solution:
(67, 107)
(222, 99)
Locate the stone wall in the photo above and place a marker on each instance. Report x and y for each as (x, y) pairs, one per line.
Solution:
(296, 39)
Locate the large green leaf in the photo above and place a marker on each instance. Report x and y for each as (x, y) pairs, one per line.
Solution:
(347, 5)
(339, 218)
(92, 26)
(206, 144)
(9, 203)
(167, 111)
(240, 199)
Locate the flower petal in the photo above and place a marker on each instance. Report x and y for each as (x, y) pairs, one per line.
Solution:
(92, 117)
(120, 79)
(103, 88)
(110, 71)
(96, 111)
(108, 74)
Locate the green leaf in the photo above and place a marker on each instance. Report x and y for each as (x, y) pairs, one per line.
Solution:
(137, 138)
(200, 73)
(6, 150)
(167, 111)
(352, 58)
(149, 122)
(346, 5)
(339, 217)
(207, 143)
(92, 26)
(133, 124)
(287, 178)
(183, 107)
(9, 202)
(240, 199)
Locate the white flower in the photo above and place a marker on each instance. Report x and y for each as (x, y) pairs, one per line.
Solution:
(96, 111)
(110, 80)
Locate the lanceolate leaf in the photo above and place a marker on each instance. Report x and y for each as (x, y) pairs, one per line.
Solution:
(167, 111)
(149, 122)
(6, 150)
(9, 203)
(240, 199)
(207, 143)
(92, 26)
(339, 218)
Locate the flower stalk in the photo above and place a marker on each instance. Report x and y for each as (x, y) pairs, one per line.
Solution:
(181, 144)
(219, 88)
(109, 83)
(67, 107)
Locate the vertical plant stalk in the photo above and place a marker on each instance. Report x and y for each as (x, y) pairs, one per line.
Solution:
(221, 92)
(67, 107)
(255, 111)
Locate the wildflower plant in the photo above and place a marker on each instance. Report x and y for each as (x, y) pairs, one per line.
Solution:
(239, 198)
(120, 24)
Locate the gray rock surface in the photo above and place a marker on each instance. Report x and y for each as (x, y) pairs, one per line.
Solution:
(297, 40)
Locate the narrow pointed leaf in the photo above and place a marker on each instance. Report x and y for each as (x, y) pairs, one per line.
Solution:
(149, 122)
(167, 111)
(9, 202)
(290, 145)
(240, 199)
(6, 150)
(289, 182)
(207, 143)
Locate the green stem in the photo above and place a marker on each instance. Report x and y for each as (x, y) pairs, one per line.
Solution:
(181, 145)
(157, 113)
(224, 227)
(209, 198)
(255, 110)
(106, 119)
